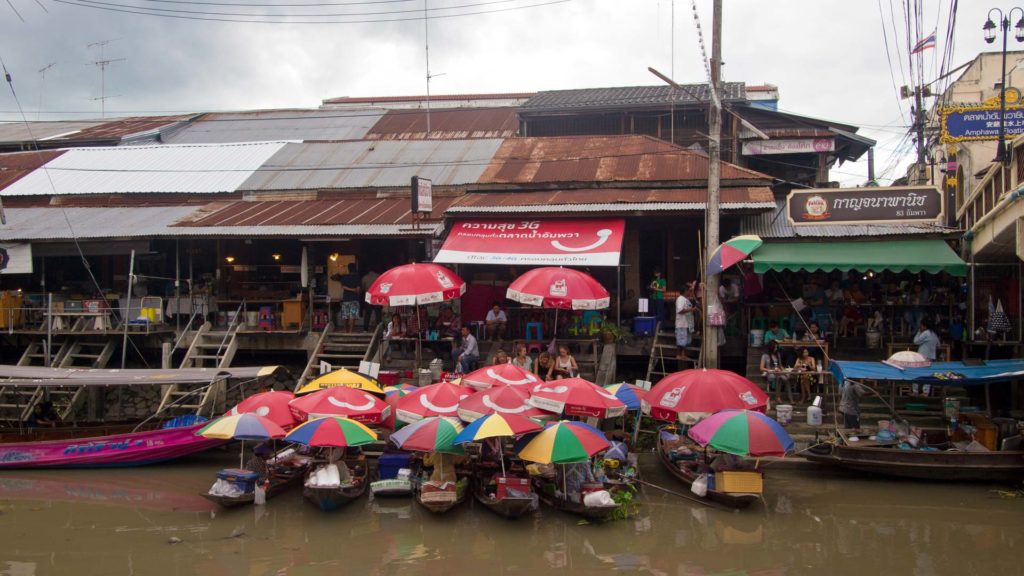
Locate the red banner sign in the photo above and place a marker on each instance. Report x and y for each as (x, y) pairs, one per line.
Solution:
(534, 242)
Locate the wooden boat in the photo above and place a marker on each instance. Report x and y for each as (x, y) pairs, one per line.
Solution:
(440, 499)
(330, 499)
(282, 478)
(123, 448)
(938, 465)
(686, 473)
(501, 503)
(548, 497)
(386, 482)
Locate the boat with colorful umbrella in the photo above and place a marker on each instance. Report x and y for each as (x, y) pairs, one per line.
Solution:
(509, 400)
(510, 496)
(342, 377)
(236, 486)
(576, 397)
(507, 374)
(731, 252)
(743, 433)
(341, 401)
(326, 486)
(441, 399)
(435, 436)
(272, 405)
(571, 445)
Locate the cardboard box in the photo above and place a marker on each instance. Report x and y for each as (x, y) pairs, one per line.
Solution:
(739, 481)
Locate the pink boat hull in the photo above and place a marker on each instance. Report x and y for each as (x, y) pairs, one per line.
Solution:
(128, 449)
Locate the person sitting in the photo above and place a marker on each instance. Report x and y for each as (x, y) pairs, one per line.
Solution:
(258, 462)
(851, 318)
(395, 330)
(543, 366)
(564, 365)
(814, 334)
(468, 352)
(805, 363)
(448, 324)
(496, 320)
(501, 357)
(774, 332)
(927, 341)
(43, 415)
(834, 293)
(522, 359)
(771, 369)
(417, 324)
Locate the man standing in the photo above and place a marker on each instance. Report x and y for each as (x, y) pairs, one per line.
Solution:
(350, 291)
(468, 352)
(496, 321)
(657, 290)
(927, 341)
(849, 404)
(684, 321)
(369, 311)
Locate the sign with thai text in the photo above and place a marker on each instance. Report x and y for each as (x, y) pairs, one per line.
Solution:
(900, 205)
(422, 195)
(515, 241)
(788, 146)
(981, 121)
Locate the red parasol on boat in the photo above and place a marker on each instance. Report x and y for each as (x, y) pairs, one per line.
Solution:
(272, 405)
(507, 374)
(691, 395)
(341, 401)
(440, 399)
(576, 397)
(502, 400)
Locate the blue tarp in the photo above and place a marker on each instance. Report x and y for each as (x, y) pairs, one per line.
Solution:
(937, 374)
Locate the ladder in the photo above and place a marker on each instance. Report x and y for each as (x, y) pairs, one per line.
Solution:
(340, 350)
(217, 348)
(663, 356)
(35, 352)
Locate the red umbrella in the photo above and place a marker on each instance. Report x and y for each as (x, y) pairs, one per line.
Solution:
(440, 399)
(503, 400)
(507, 374)
(415, 284)
(559, 288)
(272, 405)
(576, 397)
(691, 395)
(342, 401)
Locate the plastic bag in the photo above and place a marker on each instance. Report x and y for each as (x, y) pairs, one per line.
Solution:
(260, 497)
(700, 486)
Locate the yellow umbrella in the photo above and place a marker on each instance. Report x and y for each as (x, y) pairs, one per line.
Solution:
(342, 377)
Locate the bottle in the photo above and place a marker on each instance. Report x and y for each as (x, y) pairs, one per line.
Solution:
(814, 415)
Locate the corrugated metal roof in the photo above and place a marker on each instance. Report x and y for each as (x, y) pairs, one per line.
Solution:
(605, 208)
(193, 168)
(617, 158)
(15, 166)
(265, 125)
(448, 123)
(775, 224)
(628, 96)
(433, 97)
(116, 130)
(44, 224)
(611, 200)
(374, 164)
(17, 132)
(364, 209)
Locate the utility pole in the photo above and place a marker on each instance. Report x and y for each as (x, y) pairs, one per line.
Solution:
(102, 64)
(711, 221)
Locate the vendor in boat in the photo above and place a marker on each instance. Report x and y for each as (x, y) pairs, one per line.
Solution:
(258, 462)
(849, 404)
(443, 465)
(44, 415)
(574, 477)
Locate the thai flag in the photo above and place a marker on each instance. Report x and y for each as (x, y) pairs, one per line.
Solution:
(924, 43)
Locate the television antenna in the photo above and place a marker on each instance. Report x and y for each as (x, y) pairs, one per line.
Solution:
(102, 64)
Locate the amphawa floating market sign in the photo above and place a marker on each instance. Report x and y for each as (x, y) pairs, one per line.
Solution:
(894, 205)
(968, 122)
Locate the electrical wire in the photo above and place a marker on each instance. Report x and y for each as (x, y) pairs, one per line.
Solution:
(300, 15)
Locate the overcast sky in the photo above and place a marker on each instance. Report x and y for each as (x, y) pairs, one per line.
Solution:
(828, 57)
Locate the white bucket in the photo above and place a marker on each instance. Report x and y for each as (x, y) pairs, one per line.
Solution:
(872, 338)
(425, 378)
(435, 369)
(784, 413)
(756, 338)
(813, 416)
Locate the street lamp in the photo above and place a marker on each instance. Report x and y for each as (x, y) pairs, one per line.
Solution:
(990, 36)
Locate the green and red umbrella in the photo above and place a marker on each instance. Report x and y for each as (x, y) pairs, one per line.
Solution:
(743, 433)
(564, 442)
(332, 431)
(431, 434)
(730, 252)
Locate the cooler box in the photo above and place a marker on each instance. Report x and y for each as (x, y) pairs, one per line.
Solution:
(387, 377)
(739, 481)
(390, 464)
(244, 480)
(518, 484)
(644, 325)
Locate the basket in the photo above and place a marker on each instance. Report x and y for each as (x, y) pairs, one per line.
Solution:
(738, 481)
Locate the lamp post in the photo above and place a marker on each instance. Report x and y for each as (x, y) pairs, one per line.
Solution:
(990, 36)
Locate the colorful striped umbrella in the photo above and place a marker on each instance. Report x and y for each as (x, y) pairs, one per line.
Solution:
(496, 425)
(247, 426)
(564, 442)
(333, 431)
(342, 377)
(628, 394)
(272, 404)
(743, 433)
(730, 252)
(433, 434)
(399, 389)
(341, 401)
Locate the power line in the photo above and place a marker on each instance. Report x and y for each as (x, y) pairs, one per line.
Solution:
(300, 15)
(276, 5)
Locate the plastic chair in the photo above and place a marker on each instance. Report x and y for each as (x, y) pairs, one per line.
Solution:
(534, 331)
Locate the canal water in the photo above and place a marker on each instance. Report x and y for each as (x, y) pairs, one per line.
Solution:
(151, 521)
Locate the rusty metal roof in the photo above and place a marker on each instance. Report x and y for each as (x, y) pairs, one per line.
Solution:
(611, 200)
(264, 125)
(15, 166)
(18, 132)
(116, 130)
(433, 97)
(446, 123)
(628, 97)
(359, 209)
(626, 158)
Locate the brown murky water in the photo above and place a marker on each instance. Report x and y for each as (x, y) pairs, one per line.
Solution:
(110, 522)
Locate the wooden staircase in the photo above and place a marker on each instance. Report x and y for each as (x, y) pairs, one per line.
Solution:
(340, 350)
(208, 350)
(35, 352)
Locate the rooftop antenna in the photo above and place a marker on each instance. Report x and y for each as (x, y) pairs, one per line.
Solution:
(426, 50)
(42, 81)
(102, 64)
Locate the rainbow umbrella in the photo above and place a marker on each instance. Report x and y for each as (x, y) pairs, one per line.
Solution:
(732, 251)
(342, 377)
(496, 425)
(431, 434)
(564, 442)
(628, 394)
(399, 389)
(333, 431)
(743, 433)
(245, 426)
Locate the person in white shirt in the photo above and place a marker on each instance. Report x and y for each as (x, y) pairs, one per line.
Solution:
(468, 353)
(496, 321)
(927, 341)
(684, 321)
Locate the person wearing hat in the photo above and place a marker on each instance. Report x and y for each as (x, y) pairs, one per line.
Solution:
(258, 462)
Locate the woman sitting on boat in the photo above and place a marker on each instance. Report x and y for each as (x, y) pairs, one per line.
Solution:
(258, 462)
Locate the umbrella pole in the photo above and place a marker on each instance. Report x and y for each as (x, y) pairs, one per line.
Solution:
(419, 331)
(241, 456)
(501, 454)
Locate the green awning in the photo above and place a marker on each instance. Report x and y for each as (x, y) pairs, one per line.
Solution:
(932, 256)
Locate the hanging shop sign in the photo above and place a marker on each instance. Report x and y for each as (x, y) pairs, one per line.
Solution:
(981, 121)
(422, 195)
(788, 146)
(877, 205)
(15, 258)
